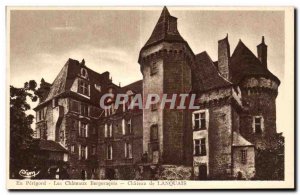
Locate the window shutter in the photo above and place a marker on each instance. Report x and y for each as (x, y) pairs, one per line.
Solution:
(87, 130)
(193, 120)
(79, 129)
(129, 151)
(125, 149)
(79, 152)
(110, 130)
(206, 118)
(105, 130)
(111, 152)
(194, 150)
(123, 105)
(262, 124)
(123, 126)
(86, 152)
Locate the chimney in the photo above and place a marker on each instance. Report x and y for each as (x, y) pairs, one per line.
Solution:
(262, 51)
(224, 57)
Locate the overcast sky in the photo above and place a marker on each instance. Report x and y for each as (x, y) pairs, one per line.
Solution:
(42, 41)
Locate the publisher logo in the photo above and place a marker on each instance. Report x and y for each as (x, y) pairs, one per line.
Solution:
(28, 174)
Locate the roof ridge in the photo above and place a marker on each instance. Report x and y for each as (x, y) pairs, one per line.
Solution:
(132, 83)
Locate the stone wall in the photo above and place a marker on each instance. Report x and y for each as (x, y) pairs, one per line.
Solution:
(259, 99)
(247, 169)
(173, 76)
(177, 126)
(119, 164)
(220, 141)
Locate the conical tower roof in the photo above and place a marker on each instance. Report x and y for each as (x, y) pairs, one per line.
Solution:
(165, 29)
(244, 63)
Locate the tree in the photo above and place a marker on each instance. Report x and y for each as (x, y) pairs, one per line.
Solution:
(20, 124)
(269, 161)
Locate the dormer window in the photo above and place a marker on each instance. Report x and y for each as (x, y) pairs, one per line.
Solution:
(83, 73)
(83, 87)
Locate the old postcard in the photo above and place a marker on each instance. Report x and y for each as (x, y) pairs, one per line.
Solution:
(150, 98)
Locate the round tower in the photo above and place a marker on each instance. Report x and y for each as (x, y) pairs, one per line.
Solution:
(259, 92)
(165, 62)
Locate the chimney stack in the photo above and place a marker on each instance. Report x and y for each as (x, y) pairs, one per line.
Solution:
(262, 52)
(224, 57)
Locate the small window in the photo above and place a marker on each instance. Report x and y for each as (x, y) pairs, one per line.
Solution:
(199, 120)
(40, 115)
(83, 87)
(74, 124)
(83, 152)
(72, 149)
(153, 106)
(83, 131)
(84, 73)
(110, 110)
(105, 130)
(244, 156)
(84, 109)
(128, 126)
(109, 152)
(258, 124)
(94, 149)
(200, 147)
(154, 133)
(74, 106)
(110, 130)
(153, 68)
(128, 150)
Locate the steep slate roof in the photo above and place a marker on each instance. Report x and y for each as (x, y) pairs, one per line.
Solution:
(161, 30)
(49, 145)
(244, 63)
(238, 140)
(136, 87)
(205, 75)
(64, 81)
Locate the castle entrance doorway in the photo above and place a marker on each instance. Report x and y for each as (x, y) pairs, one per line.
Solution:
(202, 172)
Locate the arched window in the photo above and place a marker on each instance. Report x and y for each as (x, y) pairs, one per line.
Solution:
(83, 73)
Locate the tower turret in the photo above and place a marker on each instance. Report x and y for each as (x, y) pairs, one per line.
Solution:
(259, 92)
(165, 64)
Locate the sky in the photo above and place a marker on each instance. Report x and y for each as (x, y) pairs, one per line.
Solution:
(41, 41)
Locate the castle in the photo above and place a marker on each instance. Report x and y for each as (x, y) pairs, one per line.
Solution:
(237, 114)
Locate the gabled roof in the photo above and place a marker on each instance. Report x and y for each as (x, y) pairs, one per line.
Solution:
(136, 87)
(205, 75)
(238, 140)
(244, 63)
(66, 77)
(49, 145)
(162, 31)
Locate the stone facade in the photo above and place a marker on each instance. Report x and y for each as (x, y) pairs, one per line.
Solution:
(236, 96)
